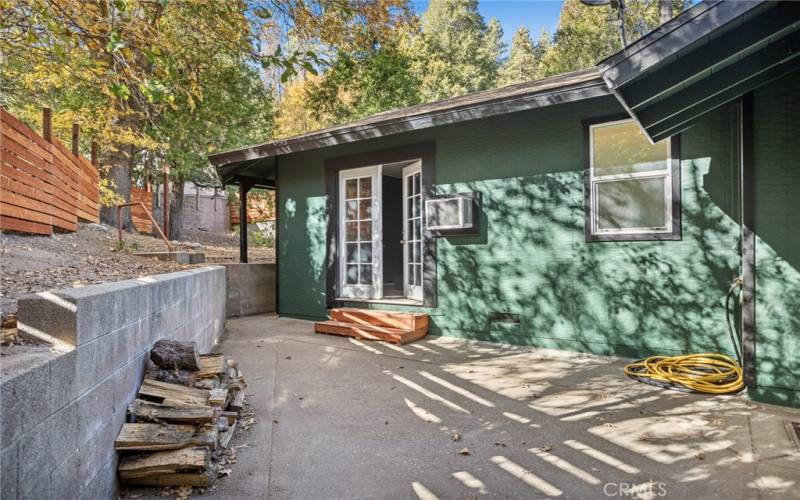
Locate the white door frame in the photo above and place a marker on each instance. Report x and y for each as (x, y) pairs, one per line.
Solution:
(412, 285)
(361, 290)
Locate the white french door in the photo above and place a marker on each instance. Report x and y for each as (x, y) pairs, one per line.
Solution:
(360, 233)
(412, 231)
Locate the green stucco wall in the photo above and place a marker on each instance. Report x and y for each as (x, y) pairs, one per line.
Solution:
(531, 259)
(777, 168)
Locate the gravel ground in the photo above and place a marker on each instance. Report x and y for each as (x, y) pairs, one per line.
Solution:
(91, 255)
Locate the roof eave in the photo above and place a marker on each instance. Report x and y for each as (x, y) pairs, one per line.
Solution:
(589, 88)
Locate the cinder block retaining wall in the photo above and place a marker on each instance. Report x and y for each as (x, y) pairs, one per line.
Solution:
(251, 289)
(60, 413)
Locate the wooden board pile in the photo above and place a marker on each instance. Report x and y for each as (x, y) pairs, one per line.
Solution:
(184, 416)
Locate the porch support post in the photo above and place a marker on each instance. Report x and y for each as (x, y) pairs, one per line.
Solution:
(244, 187)
(748, 243)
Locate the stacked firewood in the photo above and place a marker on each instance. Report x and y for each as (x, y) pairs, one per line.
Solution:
(183, 418)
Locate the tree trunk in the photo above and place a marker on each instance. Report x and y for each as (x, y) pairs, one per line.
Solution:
(174, 355)
(664, 10)
(176, 210)
(120, 165)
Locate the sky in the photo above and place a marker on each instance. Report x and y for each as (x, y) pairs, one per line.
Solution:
(533, 14)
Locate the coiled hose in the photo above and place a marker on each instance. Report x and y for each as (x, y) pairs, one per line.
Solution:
(708, 373)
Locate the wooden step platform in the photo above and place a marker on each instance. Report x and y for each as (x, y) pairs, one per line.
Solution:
(369, 324)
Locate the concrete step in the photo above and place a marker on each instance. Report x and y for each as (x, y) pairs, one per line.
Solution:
(370, 332)
(373, 317)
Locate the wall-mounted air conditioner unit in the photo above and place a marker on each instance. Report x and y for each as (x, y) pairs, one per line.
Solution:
(452, 213)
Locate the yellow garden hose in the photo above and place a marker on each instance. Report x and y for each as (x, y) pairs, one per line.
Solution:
(709, 373)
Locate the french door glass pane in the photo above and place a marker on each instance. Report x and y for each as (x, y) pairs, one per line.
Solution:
(352, 274)
(351, 189)
(416, 183)
(365, 209)
(352, 252)
(365, 230)
(365, 187)
(365, 252)
(631, 203)
(351, 210)
(352, 231)
(358, 229)
(365, 277)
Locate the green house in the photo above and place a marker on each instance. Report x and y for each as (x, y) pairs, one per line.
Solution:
(605, 211)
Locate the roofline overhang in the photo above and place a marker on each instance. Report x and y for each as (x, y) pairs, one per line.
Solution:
(592, 85)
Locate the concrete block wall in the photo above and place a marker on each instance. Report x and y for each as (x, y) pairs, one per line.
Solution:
(251, 289)
(61, 411)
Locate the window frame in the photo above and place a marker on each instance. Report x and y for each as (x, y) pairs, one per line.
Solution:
(672, 191)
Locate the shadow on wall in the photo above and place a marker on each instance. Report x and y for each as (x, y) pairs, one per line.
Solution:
(777, 185)
(308, 276)
(623, 298)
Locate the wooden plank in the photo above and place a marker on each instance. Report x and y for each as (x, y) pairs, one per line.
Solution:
(23, 213)
(180, 377)
(218, 397)
(31, 142)
(372, 317)
(211, 365)
(35, 193)
(24, 226)
(225, 437)
(203, 479)
(366, 332)
(23, 152)
(152, 412)
(165, 462)
(237, 401)
(54, 185)
(148, 436)
(173, 394)
(35, 209)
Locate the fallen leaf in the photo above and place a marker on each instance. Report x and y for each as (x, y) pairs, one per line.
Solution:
(700, 455)
(545, 448)
(463, 451)
(224, 472)
(455, 436)
(500, 444)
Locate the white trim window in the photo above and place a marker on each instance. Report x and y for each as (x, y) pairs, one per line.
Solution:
(630, 184)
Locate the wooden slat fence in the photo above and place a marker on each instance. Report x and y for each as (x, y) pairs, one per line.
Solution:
(43, 186)
(140, 220)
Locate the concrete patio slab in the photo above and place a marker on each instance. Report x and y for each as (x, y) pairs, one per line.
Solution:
(341, 418)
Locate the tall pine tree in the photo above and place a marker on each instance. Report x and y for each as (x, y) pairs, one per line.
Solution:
(456, 52)
(523, 61)
(587, 34)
